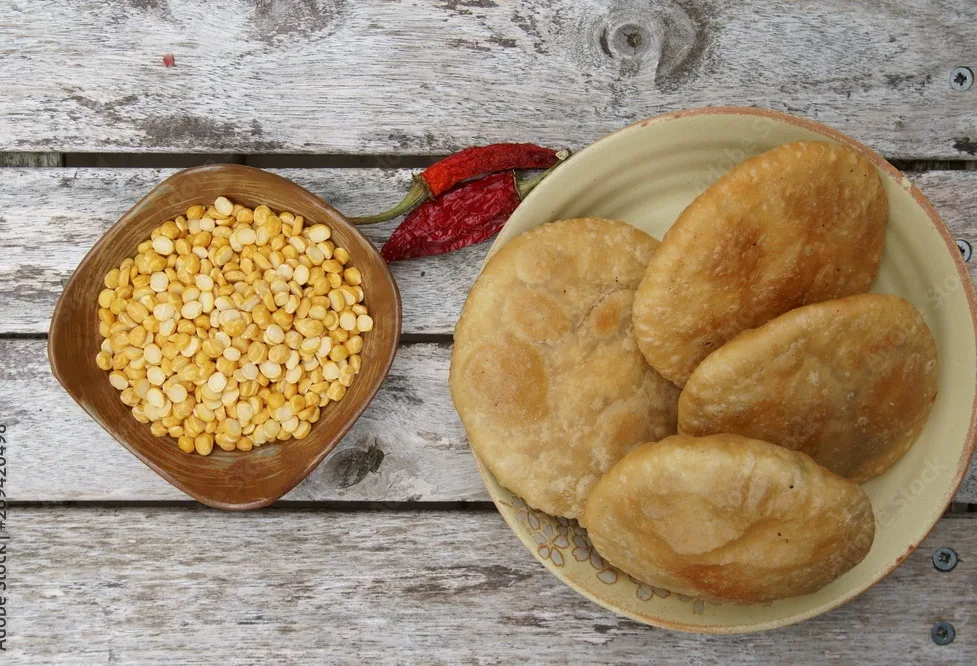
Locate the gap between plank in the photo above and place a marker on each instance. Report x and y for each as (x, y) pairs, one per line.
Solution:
(301, 161)
(958, 511)
(444, 339)
(186, 160)
(281, 505)
(23, 336)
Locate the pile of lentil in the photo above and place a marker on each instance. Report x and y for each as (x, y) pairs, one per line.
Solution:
(233, 326)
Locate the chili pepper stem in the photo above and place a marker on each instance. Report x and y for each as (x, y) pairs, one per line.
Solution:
(524, 187)
(417, 194)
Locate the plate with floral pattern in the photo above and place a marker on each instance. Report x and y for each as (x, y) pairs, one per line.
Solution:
(646, 174)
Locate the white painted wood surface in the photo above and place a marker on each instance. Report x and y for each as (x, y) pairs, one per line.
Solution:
(335, 76)
(182, 586)
(408, 446)
(49, 218)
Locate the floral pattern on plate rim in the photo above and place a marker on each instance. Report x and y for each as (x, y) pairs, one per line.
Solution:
(560, 540)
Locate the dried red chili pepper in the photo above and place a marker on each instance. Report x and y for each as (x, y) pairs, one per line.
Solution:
(468, 214)
(464, 165)
(480, 160)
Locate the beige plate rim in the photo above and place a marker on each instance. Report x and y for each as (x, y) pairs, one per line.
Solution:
(969, 446)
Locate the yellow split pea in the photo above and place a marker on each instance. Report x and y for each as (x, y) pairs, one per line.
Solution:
(233, 327)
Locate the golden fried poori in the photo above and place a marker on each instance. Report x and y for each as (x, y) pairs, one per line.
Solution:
(546, 373)
(850, 382)
(728, 518)
(795, 225)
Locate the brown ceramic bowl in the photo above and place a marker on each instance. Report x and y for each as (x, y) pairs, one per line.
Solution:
(227, 480)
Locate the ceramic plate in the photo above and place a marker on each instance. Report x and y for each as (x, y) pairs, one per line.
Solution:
(645, 174)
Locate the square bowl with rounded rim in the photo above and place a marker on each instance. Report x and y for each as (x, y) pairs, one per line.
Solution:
(646, 174)
(235, 479)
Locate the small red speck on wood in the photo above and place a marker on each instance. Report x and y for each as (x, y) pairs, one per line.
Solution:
(169, 60)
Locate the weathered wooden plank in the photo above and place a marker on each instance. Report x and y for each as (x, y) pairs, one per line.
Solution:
(333, 76)
(184, 586)
(49, 218)
(30, 159)
(408, 446)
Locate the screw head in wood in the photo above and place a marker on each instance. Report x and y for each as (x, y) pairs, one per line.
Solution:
(943, 633)
(945, 559)
(965, 249)
(961, 79)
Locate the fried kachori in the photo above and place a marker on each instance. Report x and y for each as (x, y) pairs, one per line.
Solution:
(849, 382)
(546, 374)
(728, 518)
(795, 225)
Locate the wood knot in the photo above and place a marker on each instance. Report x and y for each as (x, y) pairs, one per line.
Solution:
(350, 466)
(626, 41)
(303, 18)
(664, 42)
